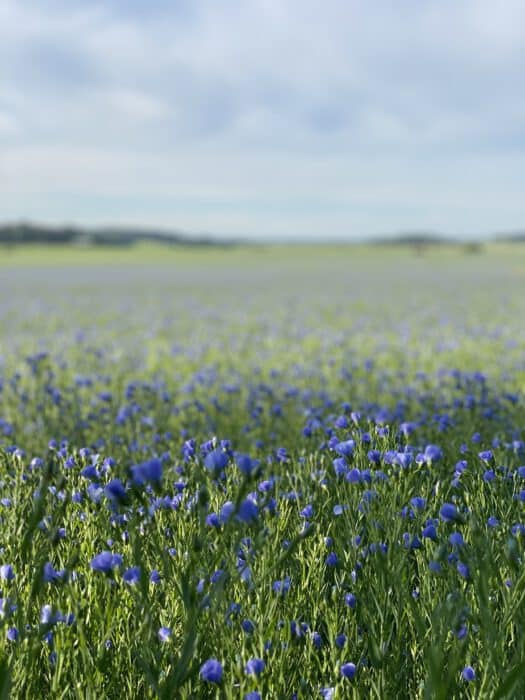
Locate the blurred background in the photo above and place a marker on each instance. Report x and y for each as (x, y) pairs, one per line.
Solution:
(261, 121)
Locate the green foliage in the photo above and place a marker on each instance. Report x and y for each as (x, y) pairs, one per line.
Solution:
(132, 361)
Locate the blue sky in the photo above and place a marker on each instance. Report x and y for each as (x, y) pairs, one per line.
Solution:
(265, 119)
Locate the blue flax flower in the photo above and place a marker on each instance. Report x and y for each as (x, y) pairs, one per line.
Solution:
(254, 667)
(147, 471)
(216, 460)
(448, 512)
(115, 491)
(432, 454)
(468, 674)
(7, 572)
(348, 670)
(164, 634)
(248, 511)
(132, 575)
(105, 562)
(211, 671)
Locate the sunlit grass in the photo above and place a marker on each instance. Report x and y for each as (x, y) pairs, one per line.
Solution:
(314, 554)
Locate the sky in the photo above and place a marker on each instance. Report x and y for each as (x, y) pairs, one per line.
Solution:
(265, 119)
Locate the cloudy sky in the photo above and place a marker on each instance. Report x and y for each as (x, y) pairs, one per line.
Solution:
(265, 118)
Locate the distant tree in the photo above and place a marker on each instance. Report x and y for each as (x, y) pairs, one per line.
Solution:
(473, 248)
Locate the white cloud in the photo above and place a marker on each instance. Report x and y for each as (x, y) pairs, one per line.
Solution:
(8, 124)
(133, 104)
(362, 112)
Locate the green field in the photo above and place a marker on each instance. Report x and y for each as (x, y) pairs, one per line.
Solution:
(306, 463)
(153, 253)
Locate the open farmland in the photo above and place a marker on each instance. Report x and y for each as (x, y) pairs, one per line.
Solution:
(279, 472)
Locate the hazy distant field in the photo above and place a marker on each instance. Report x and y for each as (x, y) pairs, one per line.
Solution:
(304, 463)
(155, 253)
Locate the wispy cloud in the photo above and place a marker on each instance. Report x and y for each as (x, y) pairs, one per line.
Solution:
(256, 117)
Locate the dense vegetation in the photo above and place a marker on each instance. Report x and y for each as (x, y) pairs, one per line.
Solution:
(298, 473)
(25, 234)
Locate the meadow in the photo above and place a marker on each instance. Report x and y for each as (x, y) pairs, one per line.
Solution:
(269, 472)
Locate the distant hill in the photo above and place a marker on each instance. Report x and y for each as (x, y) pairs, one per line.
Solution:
(511, 237)
(29, 233)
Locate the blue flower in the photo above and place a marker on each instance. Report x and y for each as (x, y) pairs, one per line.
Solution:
(331, 559)
(348, 670)
(216, 460)
(254, 667)
(147, 471)
(340, 466)
(463, 569)
(403, 459)
(50, 575)
(245, 573)
(115, 491)
(345, 449)
(248, 511)
(468, 674)
(340, 641)
(430, 532)
(350, 600)
(282, 586)
(407, 428)
(252, 695)
(246, 464)
(212, 520)
(46, 615)
(90, 473)
(226, 512)
(456, 539)
(411, 542)
(132, 575)
(164, 634)
(155, 577)
(281, 454)
(354, 476)
(12, 634)
(105, 562)
(460, 466)
(374, 456)
(341, 422)
(7, 572)
(248, 626)
(307, 511)
(217, 576)
(211, 671)
(449, 512)
(462, 632)
(518, 530)
(432, 454)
